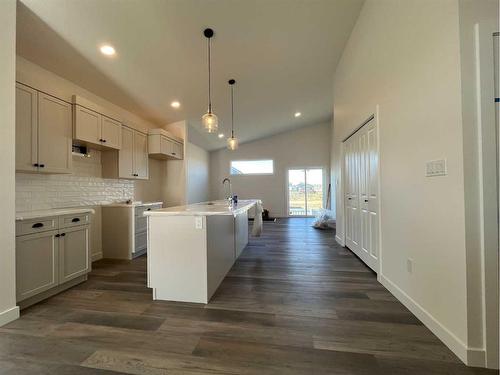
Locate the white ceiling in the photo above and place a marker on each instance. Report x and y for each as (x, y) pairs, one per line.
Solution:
(282, 53)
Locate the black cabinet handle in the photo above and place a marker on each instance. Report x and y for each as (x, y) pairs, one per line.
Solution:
(58, 235)
(149, 209)
(42, 165)
(104, 140)
(37, 225)
(100, 140)
(63, 234)
(366, 200)
(35, 165)
(75, 220)
(173, 153)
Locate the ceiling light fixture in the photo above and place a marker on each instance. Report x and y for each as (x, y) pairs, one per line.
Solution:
(297, 114)
(221, 135)
(209, 119)
(175, 104)
(232, 142)
(107, 50)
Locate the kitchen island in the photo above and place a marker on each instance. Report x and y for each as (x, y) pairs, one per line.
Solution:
(193, 247)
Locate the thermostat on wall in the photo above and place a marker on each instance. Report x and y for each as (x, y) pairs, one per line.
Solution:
(435, 168)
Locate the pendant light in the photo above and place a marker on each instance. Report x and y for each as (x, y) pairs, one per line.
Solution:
(232, 142)
(209, 119)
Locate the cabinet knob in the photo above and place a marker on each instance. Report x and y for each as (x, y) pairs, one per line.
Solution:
(58, 235)
(35, 165)
(75, 220)
(37, 225)
(104, 140)
(366, 200)
(63, 234)
(42, 165)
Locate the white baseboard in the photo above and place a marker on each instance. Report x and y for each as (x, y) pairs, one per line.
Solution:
(9, 315)
(96, 256)
(340, 241)
(470, 356)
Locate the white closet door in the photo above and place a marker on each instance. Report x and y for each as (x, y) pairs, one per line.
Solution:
(361, 194)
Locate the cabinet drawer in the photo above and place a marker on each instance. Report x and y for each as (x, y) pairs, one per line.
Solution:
(141, 241)
(68, 221)
(42, 224)
(141, 224)
(139, 211)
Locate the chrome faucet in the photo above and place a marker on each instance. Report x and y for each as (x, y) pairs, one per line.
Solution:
(229, 197)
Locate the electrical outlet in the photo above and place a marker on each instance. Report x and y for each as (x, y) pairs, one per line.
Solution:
(198, 222)
(409, 265)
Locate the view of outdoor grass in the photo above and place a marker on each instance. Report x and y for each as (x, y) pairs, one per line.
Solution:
(297, 191)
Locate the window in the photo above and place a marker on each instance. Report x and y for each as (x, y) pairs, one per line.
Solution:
(239, 167)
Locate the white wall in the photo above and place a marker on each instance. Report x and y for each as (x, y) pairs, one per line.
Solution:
(8, 309)
(304, 147)
(405, 57)
(198, 162)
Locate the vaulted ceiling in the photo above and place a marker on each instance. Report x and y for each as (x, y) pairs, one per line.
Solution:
(282, 53)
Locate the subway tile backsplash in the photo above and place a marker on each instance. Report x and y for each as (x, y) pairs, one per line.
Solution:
(85, 187)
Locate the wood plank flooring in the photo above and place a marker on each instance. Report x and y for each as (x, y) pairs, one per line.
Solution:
(294, 303)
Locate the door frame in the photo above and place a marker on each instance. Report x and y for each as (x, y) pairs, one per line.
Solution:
(287, 193)
(374, 116)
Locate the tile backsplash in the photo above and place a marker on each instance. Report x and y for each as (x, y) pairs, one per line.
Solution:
(85, 187)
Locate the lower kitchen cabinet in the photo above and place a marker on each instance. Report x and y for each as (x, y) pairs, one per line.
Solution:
(37, 257)
(51, 258)
(74, 253)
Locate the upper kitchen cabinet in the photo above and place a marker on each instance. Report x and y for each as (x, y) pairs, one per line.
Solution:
(163, 145)
(96, 129)
(131, 161)
(43, 132)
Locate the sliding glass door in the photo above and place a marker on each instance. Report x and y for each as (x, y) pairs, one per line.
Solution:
(305, 191)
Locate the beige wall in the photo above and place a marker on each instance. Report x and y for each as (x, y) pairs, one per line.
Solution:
(305, 147)
(405, 58)
(198, 161)
(8, 310)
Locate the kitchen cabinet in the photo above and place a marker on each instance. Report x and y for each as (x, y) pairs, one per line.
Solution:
(52, 254)
(94, 128)
(74, 253)
(131, 161)
(124, 229)
(43, 132)
(163, 145)
(36, 263)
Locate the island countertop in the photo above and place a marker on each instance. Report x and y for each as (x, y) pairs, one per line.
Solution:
(219, 207)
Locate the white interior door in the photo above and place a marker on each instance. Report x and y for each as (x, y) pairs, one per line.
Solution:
(361, 194)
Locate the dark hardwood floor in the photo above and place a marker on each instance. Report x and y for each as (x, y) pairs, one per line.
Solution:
(294, 303)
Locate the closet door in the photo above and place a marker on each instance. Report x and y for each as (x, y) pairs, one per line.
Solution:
(361, 194)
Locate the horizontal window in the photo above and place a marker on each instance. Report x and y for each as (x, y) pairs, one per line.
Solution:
(239, 167)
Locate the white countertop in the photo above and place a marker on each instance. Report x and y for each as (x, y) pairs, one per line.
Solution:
(54, 212)
(133, 204)
(206, 209)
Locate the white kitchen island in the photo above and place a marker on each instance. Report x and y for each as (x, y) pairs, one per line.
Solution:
(192, 248)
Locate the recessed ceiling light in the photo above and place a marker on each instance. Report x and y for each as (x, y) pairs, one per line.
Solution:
(297, 114)
(107, 50)
(175, 104)
(221, 135)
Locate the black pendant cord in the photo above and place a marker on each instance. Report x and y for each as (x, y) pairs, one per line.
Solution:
(232, 112)
(209, 79)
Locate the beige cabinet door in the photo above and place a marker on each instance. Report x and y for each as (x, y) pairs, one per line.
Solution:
(111, 133)
(74, 253)
(54, 135)
(141, 156)
(36, 263)
(166, 146)
(126, 154)
(26, 128)
(178, 150)
(87, 125)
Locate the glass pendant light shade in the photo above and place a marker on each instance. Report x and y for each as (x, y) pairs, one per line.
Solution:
(232, 143)
(210, 122)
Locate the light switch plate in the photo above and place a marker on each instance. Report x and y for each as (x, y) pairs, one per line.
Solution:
(435, 168)
(198, 222)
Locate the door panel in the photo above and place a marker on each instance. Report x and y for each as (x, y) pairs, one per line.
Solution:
(74, 253)
(361, 194)
(87, 125)
(111, 133)
(54, 135)
(296, 192)
(126, 157)
(36, 264)
(141, 156)
(26, 128)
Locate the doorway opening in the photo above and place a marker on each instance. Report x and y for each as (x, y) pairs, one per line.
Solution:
(306, 193)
